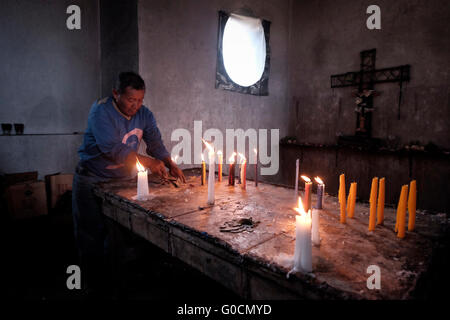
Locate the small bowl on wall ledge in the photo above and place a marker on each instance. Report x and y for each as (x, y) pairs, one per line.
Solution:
(18, 127)
(6, 128)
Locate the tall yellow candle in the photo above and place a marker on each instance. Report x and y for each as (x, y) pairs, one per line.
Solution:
(402, 212)
(380, 204)
(341, 197)
(352, 200)
(412, 205)
(398, 213)
(203, 171)
(373, 204)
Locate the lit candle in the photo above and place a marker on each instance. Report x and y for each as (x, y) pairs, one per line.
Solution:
(220, 158)
(307, 195)
(211, 172)
(297, 164)
(401, 212)
(244, 173)
(315, 227)
(351, 200)
(142, 182)
(380, 205)
(373, 204)
(231, 169)
(256, 167)
(341, 197)
(203, 171)
(240, 157)
(320, 195)
(303, 247)
(412, 205)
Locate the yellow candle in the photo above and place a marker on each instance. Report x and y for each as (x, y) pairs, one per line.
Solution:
(398, 213)
(342, 197)
(352, 200)
(401, 211)
(203, 171)
(373, 204)
(412, 205)
(380, 205)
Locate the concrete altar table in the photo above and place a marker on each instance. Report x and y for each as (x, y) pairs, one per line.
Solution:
(254, 263)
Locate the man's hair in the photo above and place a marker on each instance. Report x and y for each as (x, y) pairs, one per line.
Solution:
(129, 79)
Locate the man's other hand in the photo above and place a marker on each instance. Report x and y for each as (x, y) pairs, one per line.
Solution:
(176, 172)
(156, 166)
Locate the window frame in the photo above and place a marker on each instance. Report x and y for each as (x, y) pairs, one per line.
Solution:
(223, 81)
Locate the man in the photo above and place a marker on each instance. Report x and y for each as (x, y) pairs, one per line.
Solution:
(116, 126)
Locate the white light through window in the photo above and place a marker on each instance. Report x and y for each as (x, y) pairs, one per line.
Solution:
(244, 49)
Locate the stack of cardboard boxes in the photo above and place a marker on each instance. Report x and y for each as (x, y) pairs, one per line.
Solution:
(28, 197)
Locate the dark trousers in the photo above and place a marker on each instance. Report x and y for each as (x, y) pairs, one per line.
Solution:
(91, 234)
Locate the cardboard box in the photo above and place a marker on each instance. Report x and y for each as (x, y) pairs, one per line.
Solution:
(14, 178)
(57, 185)
(27, 199)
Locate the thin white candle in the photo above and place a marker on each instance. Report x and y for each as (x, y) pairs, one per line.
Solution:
(211, 178)
(315, 227)
(297, 164)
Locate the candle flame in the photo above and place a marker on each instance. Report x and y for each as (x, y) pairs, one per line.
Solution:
(300, 209)
(242, 157)
(175, 159)
(219, 152)
(231, 159)
(318, 180)
(139, 166)
(210, 148)
(306, 178)
(256, 151)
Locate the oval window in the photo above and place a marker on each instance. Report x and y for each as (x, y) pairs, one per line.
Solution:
(244, 49)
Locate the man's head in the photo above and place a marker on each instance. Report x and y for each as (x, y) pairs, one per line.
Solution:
(129, 93)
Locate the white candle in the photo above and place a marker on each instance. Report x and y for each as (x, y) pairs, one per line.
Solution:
(211, 173)
(211, 178)
(297, 163)
(303, 248)
(315, 227)
(142, 182)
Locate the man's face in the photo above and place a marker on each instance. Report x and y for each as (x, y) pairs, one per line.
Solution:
(130, 101)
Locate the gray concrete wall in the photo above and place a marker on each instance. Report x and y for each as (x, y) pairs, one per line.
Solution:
(50, 77)
(177, 54)
(118, 40)
(326, 38)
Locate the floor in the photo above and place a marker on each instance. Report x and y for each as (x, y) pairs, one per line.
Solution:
(38, 251)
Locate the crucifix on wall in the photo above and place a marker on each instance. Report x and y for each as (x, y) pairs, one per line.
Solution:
(365, 79)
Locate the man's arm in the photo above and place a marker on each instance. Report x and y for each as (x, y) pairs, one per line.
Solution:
(156, 166)
(173, 169)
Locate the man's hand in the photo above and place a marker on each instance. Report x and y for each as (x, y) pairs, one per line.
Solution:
(174, 170)
(177, 173)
